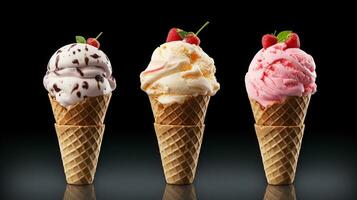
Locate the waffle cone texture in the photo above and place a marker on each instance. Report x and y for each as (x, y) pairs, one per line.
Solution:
(90, 111)
(279, 129)
(80, 147)
(179, 149)
(290, 112)
(179, 131)
(80, 132)
(191, 112)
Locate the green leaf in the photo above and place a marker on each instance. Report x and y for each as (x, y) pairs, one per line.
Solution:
(283, 35)
(182, 33)
(80, 39)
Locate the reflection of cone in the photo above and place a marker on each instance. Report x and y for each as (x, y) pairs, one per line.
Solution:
(291, 112)
(191, 112)
(280, 193)
(83, 192)
(280, 147)
(90, 111)
(179, 192)
(179, 149)
(80, 146)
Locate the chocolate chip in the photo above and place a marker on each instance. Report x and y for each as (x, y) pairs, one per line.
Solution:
(75, 61)
(79, 94)
(72, 46)
(57, 89)
(59, 51)
(80, 72)
(85, 85)
(75, 88)
(78, 50)
(86, 59)
(99, 78)
(74, 52)
(95, 56)
(86, 48)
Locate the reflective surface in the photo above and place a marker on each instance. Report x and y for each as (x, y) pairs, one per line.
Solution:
(74, 192)
(129, 167)
(175, 192)
(280, 192)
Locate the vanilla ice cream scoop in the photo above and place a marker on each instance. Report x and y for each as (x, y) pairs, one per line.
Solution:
(179, 70)
(77, 71)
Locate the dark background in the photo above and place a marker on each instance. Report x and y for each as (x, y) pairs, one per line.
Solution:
(230, 164)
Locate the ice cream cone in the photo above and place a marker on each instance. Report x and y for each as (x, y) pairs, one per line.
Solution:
(80, 147)
(179, 192)
(90, 111)
(280, 192)
(179, 149)
(280, 147)
(79, 192)
(191, 112)
(291, 112)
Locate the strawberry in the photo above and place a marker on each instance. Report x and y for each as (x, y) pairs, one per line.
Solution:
(269, 40)
(293, 41)
(176, 34)
(94, 42)
(173, 35)
(192, 39)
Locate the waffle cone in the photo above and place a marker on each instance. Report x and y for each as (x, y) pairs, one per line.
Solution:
(79, 192)
(280, 192)
(290, 112)
(179, 149)
(80, 147)
(179, 192)
(279, 148)
(90, 111)
(191, 112)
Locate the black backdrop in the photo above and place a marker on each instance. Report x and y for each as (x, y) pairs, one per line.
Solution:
(231, 38)
(131, 33)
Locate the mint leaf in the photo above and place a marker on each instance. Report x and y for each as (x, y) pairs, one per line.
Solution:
(283, 35)
(80, 39)
(182, 33)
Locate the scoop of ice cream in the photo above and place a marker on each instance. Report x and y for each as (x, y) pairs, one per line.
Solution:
(77, 71)
(177, 71)
(278, 72)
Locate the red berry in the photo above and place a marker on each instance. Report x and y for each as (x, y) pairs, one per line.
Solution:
(192, 39)
(173, 35)
(268, 40)
(94, 42)
(293, 41)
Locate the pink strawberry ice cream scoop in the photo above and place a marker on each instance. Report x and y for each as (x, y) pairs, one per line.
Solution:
(277, 72)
